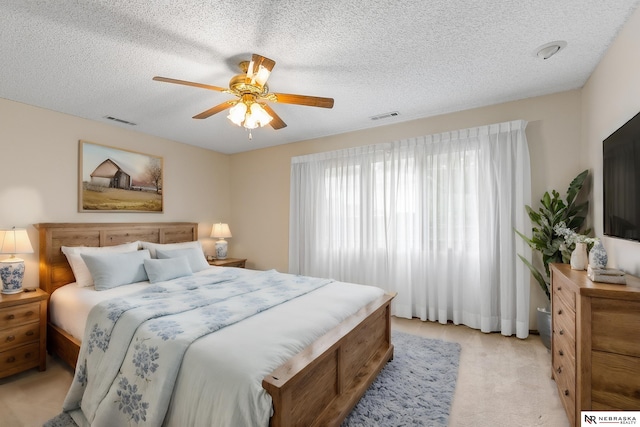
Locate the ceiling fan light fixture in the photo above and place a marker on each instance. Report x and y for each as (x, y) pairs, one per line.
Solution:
(237, 113)
(251, 109)
(261, 116)
(249, 115)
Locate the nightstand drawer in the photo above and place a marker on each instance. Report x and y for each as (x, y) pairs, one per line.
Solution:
(19, 315)
(19, 335)
(19, 358)
(228, 262)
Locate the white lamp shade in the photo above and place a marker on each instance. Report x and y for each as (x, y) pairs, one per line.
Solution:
(237, 113)
(15, 241)
(220, 231)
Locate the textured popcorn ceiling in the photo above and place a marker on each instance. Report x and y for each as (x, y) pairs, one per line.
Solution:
(420, 57)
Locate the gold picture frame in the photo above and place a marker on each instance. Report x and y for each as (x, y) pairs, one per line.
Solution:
(117, 180)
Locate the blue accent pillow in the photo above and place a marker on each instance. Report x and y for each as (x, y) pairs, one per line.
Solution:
(160, 270)
(110, 270)
(195, 256)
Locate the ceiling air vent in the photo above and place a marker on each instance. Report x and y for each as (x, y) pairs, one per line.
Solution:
(385, 116)
(115, 119)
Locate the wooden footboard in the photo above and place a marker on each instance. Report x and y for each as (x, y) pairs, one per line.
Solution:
(322, 384)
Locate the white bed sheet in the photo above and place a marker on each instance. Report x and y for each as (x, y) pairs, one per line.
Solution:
(220, 382)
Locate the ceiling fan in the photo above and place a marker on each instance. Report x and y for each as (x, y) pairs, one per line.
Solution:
(251, 110)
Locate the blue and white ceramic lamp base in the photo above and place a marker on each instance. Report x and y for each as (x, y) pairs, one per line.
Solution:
(12, 273)
(221, 249)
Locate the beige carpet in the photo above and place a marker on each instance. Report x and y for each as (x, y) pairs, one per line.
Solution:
(501, 382)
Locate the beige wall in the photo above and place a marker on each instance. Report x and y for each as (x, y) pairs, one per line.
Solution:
(39, 174)
(610, 98)
(260, 178)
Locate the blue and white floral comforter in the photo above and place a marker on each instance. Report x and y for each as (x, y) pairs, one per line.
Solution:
(133, 347)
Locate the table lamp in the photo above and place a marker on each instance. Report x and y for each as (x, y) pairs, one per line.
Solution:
(221, 231)
(13, 241)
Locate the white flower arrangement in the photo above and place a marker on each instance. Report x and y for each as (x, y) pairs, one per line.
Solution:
(571, 237)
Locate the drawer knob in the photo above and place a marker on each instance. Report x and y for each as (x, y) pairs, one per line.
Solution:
(559, 288)
(560, 311)
(566, 392)
(27, 356)
(561, 332)
(11, 338)
(11, 316)
(29, 313)
(559, 370)
(11, 359)
(561, 353)
(29, 333)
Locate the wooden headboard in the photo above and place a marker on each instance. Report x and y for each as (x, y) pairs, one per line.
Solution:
(54, 268)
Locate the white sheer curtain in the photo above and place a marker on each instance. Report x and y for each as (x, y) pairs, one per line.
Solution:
(431, 218)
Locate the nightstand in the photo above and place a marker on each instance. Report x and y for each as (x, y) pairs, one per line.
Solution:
(23, 332)
(228, 262)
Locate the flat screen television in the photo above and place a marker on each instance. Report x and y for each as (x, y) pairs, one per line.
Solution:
(621, 181)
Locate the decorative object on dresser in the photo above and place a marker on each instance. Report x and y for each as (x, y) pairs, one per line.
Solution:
(13, 241)
(23, 332)
(579, 256)
(598, 256)
(606, 275)
(228, 262)
(221, 231)
(595, 343)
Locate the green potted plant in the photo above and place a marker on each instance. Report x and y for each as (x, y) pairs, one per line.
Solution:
(548, 244)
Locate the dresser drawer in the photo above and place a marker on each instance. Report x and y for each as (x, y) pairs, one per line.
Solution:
(615, 326)
(19, 315)
(564, 324)
(615, 381)
(19, 358)
(564, 356)
(566, 382)
(14, 337)
(565, 294)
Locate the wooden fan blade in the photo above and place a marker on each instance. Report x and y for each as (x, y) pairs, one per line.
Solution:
(259, 69)
(214, 110)
(311, 101)
(186, 83)
(277, 122)
(259, 60)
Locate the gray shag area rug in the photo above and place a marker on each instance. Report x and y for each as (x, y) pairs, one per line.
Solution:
(414, 389)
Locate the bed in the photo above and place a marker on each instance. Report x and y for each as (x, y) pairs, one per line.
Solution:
(319, 385)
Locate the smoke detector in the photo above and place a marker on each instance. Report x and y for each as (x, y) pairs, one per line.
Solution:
(547, 50)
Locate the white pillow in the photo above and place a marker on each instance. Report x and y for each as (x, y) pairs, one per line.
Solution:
(110, 270)
(195, 257)
(169, 246)
(160, 270)
(79, 268)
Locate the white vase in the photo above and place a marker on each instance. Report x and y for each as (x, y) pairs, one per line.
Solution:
(598, 256)
(579, 257)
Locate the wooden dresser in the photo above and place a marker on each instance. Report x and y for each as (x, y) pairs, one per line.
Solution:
(23, 332)
(595, 343)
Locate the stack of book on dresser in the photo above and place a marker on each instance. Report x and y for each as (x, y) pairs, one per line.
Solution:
(606, 275)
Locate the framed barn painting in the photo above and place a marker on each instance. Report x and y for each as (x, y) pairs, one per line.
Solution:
(115, 180)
